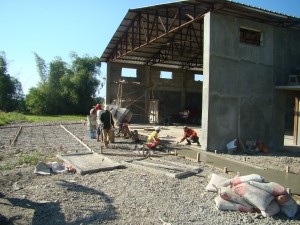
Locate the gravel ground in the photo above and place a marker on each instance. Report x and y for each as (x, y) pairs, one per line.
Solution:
(134, 195)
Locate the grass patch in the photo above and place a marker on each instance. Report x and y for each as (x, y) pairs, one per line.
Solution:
(6, 167)
(5, 118)
(33, 118)
(32, 159)
(13, 116)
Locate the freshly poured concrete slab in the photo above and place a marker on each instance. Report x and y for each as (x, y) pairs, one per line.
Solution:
(85, 163)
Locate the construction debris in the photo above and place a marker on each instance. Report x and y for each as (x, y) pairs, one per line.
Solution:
(49, 168)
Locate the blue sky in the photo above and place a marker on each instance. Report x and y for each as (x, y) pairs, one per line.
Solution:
(58, 27)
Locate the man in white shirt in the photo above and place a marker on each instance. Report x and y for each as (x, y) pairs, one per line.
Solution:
(99, 122)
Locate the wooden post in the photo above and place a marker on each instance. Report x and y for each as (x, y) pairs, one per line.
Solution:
(287, 169)
(245, 159)
(176, 152)
(225, 170)
(198, 157)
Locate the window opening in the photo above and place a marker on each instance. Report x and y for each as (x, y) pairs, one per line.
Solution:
(198, 77)
(129, 72)
(251, 37)
(166, 75)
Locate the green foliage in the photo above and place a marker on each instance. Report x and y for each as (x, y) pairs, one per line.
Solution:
(11, 93)
(32, 159)
(13, 116)
(65, 89)
(35, 101)
(42, 68)
(34, 118)
(6, 167)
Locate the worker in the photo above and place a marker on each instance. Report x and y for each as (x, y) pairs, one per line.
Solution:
(153, 139)
(190, 136)
(108, 123)
(99, 122)
(124, 129)
(92, 123)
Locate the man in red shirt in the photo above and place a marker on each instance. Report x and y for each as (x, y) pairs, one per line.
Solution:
(190, 135)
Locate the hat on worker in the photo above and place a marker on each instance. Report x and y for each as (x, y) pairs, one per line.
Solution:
(185, 127)
(157, 128)
(98, 107)
(107, 107)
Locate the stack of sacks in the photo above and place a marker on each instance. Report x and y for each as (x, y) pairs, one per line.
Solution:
(251, 193)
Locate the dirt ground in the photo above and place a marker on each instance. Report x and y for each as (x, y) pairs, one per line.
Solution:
(27, 198)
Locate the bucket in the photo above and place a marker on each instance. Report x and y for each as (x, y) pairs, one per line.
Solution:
(92, 134)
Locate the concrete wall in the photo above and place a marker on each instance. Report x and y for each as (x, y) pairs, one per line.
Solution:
(286, 54)
(239, 95)
(238, 83)
(173, 94)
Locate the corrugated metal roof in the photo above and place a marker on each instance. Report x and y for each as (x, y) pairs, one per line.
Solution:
(171, 34)
(266, 10)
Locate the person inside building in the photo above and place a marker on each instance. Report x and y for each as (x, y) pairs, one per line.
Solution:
(190, 136)
(99, 122)
(153, 141)
(108, 123)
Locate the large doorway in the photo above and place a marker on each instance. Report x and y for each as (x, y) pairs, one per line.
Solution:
(292, 133)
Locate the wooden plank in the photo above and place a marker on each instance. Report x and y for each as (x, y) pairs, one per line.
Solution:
(16, 137)
(124, 154)
(186, 173)
(296, 113)
(165, 166)
(175, 163)
(154, 167)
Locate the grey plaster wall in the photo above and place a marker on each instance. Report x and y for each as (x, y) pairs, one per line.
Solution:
(286, 54)
(238, 84)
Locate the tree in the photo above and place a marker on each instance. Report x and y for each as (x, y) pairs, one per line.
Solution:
(65, 89)
(11, 93)
(41, 67)
(35, 101)
(83, 76)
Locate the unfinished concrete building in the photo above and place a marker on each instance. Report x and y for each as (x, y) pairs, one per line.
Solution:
(234, 66)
